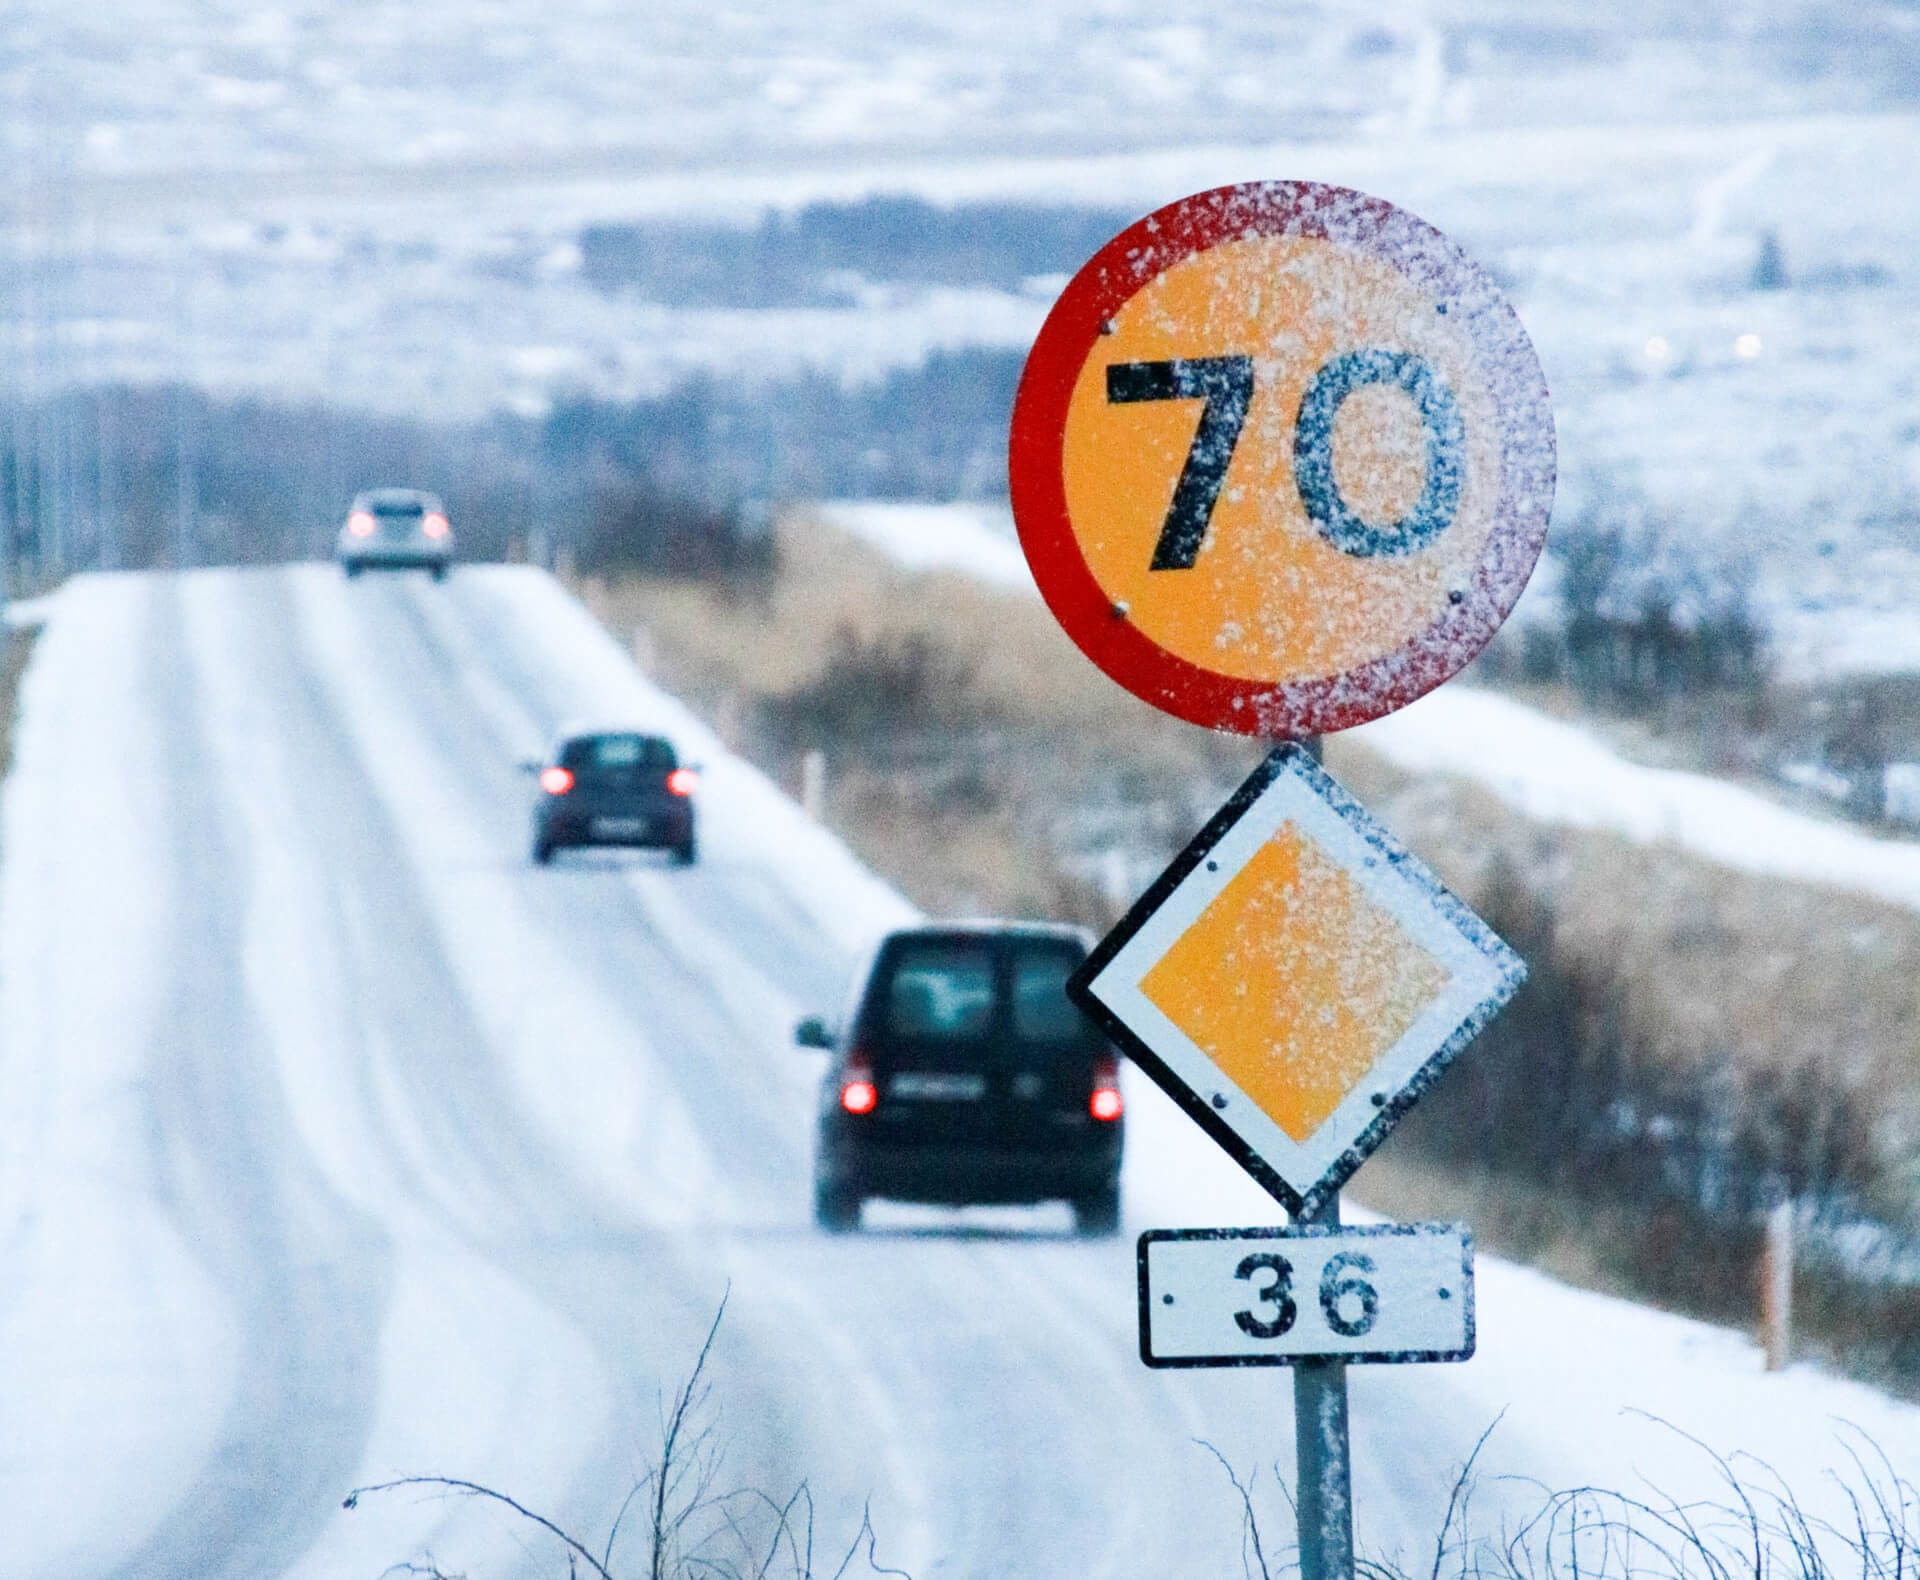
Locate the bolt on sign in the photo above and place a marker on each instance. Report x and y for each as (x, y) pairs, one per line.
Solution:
(1281, 458)
(1296, 979)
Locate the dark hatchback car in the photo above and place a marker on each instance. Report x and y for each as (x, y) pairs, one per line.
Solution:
(613, 787)
(963, 1074)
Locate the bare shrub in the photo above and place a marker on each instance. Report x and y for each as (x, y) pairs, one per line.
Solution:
(1568, 1090)
(876, 688)
(632, 527)
(690, 1525)
(1756, 1528)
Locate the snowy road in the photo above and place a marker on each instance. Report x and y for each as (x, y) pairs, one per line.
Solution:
(338, 1143)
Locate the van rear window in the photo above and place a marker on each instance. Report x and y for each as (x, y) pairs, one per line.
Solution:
(1042, 1012)
(941, 991)
(618, 751)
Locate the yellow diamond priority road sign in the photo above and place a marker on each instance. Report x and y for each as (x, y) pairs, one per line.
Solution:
(1296, 979)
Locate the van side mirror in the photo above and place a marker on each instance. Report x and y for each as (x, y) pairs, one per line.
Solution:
(812, 1033)
(530, 765)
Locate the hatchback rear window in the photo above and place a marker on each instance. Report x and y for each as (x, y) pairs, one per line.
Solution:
(940, 991)
(1042, 1012)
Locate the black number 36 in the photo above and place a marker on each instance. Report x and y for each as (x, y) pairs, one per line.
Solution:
(1342, 1285)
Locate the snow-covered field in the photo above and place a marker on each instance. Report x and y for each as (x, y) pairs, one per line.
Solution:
(379, 203)
(371, 1149)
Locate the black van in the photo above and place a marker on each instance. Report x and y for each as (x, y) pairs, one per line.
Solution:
(963, 1073)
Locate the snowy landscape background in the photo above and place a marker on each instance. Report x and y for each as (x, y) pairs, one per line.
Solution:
(341, 1143)
(1705, 221)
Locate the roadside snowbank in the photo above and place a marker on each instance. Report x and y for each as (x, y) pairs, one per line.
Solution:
(973, 540)
(1556, 772)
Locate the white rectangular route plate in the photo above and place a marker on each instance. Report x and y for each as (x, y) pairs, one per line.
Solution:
(1275, 1297)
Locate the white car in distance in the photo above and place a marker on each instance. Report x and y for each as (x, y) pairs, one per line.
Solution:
(396, 529)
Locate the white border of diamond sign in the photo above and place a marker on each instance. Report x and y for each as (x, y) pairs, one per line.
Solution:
(1483, 973)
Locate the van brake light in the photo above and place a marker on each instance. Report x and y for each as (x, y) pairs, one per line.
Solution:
(858, 1094)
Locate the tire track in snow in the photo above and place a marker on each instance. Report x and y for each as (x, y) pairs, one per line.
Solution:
(304, 1271)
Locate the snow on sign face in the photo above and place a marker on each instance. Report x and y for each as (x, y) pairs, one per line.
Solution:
(1296, 979)
(1282, 458)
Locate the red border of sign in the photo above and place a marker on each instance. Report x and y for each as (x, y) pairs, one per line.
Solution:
(1110, 279)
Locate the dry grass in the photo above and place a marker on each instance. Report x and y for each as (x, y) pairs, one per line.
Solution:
(980, 810)
(759, 640)
(1718, 970)
(16, 647)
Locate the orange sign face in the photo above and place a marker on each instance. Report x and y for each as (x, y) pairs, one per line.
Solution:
(1281, 459)
(1294, 982)
(1296, 979)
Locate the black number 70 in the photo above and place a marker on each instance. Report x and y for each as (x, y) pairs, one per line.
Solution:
(1226, 385)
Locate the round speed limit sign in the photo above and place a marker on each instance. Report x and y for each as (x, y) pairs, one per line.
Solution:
(1282, 458)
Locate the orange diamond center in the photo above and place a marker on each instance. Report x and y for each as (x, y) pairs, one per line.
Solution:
(1295, 982)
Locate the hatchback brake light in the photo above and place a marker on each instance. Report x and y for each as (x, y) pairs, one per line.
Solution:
(556, 780)
(360, 523)
(682, 780)
(1106, 1104)
(435, 526)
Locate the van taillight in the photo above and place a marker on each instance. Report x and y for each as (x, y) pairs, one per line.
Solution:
(556, 780)
(1106, 1104)
(858, 1094)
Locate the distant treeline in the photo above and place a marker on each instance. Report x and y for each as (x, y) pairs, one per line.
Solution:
(139, 477)
(826, 251)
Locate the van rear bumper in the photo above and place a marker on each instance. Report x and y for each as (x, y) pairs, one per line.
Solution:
(954, 1175)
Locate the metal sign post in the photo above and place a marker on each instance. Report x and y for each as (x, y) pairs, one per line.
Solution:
(1281, 461)
(1323, 1459)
